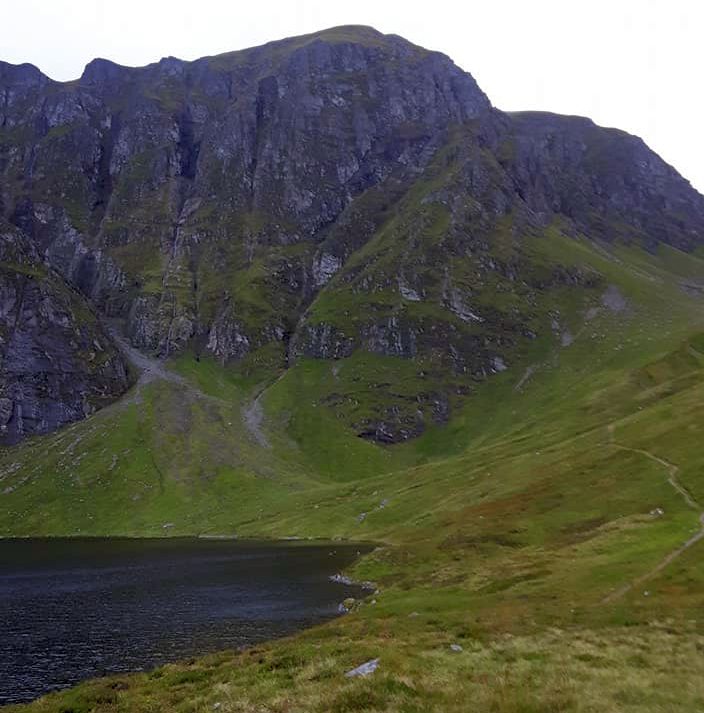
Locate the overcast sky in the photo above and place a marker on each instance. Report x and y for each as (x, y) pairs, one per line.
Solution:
(634, 64)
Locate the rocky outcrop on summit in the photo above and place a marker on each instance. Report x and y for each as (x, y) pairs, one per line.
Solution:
(56, 363)
(320, 196)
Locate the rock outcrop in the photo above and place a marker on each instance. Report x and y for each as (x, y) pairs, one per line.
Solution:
(57, 364)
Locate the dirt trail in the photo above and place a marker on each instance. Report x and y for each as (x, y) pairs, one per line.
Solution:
(151, 369)
(253, 415)
(672, 471)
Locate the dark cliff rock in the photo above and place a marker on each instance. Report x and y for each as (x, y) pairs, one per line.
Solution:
(341, 191)
(608, 182)
(57, 364)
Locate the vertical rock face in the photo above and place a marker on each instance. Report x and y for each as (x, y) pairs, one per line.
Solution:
(609, 183)
(341, 192)
(56, 363)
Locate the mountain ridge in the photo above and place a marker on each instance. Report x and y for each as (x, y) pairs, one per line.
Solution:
(354, 33)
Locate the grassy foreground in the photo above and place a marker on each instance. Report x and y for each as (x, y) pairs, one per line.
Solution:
(550, 530)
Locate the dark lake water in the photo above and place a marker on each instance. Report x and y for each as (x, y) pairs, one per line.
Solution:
(72, 609)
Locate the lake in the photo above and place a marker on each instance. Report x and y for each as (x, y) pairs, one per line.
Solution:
(72, 609)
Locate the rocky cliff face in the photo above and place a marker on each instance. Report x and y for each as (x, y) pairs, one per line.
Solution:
(57, 364)
(609, 184)
(320, 196)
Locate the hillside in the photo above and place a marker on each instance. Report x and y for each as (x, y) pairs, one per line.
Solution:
(360, 302)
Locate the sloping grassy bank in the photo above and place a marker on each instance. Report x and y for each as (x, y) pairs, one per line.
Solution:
(530, 532)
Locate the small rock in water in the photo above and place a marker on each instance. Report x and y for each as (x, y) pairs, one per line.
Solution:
(456, 648)
(341, 579)
(364, 670)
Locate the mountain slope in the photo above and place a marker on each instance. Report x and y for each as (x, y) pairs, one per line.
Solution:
(529, 530)
(365, 304)
(340, 192)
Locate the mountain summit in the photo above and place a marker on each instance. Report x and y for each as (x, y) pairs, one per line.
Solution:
(342, 195)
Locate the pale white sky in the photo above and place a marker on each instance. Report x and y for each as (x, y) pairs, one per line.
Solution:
(634, 64)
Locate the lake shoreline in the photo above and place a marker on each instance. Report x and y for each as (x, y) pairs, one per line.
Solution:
(79, 608)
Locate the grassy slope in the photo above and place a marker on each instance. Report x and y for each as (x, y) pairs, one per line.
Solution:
(504, 531)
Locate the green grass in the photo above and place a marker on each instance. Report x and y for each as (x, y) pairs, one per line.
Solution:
(503, 531)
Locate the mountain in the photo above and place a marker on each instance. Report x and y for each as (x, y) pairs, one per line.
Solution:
(342, 193)
(323, 289)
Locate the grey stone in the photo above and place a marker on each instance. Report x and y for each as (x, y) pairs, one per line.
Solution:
(365, 669)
